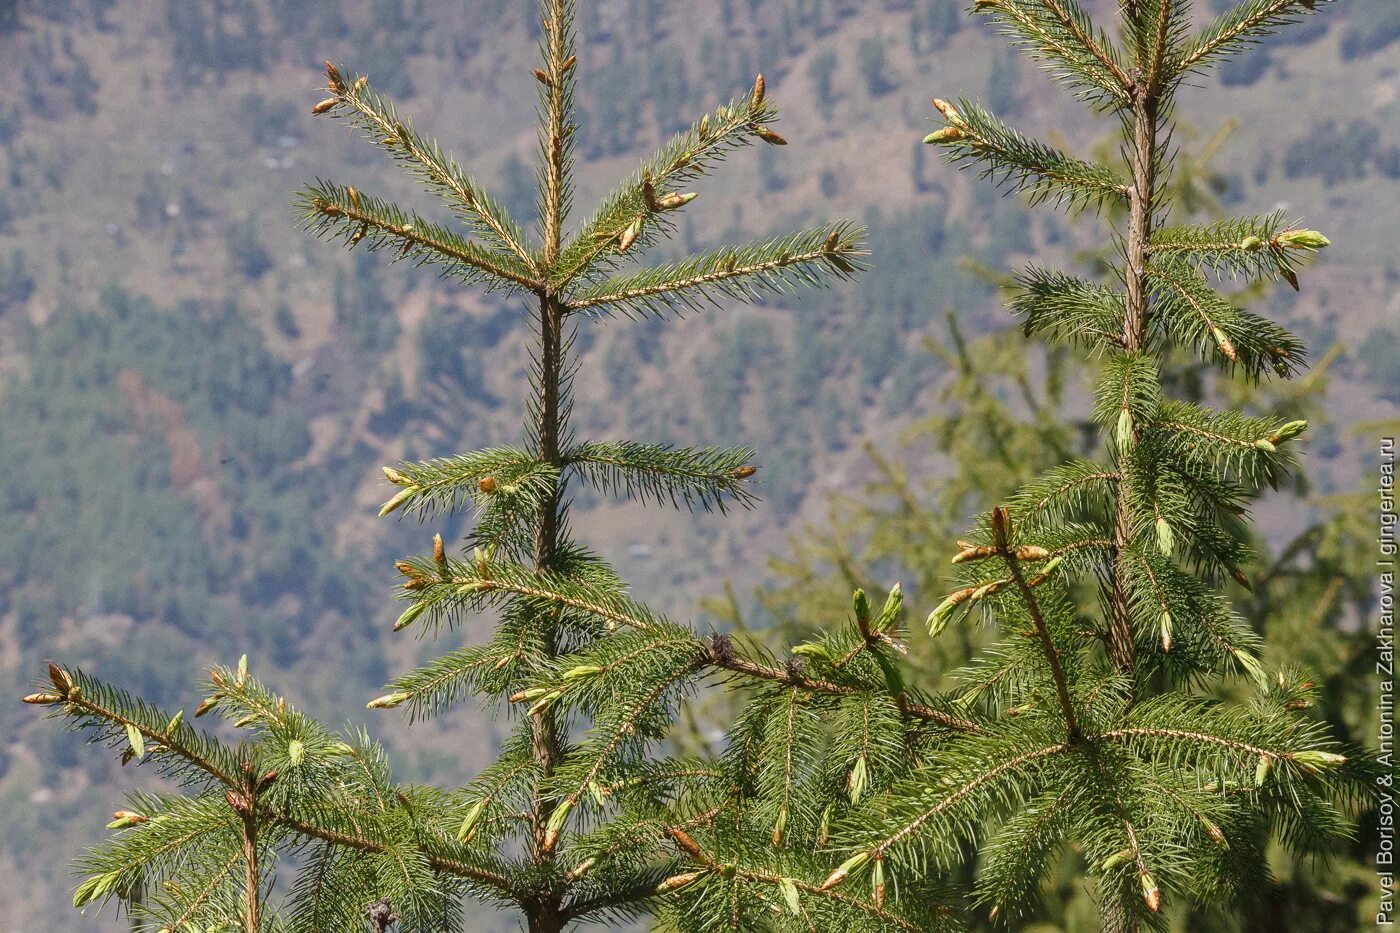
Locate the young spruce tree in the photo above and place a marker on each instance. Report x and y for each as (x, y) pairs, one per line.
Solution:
(843, 794)
(596, 685)
(1111, 750)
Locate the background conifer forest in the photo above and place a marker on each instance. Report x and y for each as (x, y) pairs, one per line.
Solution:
(196, 398)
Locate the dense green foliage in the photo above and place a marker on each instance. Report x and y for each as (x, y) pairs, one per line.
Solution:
(763, 813)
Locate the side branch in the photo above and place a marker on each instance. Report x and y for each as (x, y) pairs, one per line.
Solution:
(446, 865)
(1047, 643)
(381, 122)
(1237, 26)
(341, 210)
(720, 654)
(734, 272)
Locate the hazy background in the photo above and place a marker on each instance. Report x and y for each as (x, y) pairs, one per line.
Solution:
(195, 398)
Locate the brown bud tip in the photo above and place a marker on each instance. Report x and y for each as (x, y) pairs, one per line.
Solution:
(744, 472)
(1001, 523)
(237, 801)
(676, 882)
(266, 781)
(354, 196)
(488, 484)
(324, 105)
(686, 844)
(333, 75)
(405, 568)
(543, 78)
(551, 840)
(518, 697)
(949, 112)
(43, 699)
(759, 89)
(61, 681)
(768, 136)
(569, 64)
(439, 550)
(973, 552)
(1241, 579)
(329, 209)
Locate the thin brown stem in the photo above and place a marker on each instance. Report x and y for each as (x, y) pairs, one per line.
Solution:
(252, 879)
(1047, 644)
(727, 660)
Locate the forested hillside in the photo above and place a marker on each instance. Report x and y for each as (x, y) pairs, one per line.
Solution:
(195, 399)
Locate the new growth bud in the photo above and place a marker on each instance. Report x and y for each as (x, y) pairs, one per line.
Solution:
(1302, 239)
(1318, 761)
(124, 818)
(843, 871)
(398, 500)
(1123, 435)
(676, 882)
(1289, 431)
(629, 235)
(1150, 893)
(388, 701)
(409, 615)
(949, 112)
(43, 699)
(768, 136)
(949, 134)
(673, 201)
(1226, 345)
(1166, 539)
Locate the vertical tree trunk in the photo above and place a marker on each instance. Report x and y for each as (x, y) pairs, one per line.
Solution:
(1141, 204)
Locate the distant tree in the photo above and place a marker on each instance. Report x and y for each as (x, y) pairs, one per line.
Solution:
(821, 71)
(1379, 353)
(874, 69)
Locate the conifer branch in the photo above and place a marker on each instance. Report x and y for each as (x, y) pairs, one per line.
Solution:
(1059, 30)
(447, 485)
(1067, 308)
(349, 840)
(743, 273)
(383, 125)
(722, 655)
(707, 477)
(963, 790)
(1000, 522)
(1238, 27)
(1192, 314)
(331, 210)
(597, 246)
(1020, 163)
(1254, 247)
